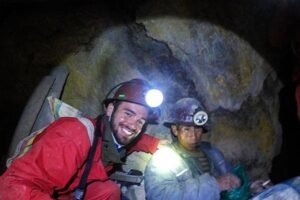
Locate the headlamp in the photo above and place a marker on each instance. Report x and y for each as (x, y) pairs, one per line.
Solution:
(154, 98)
(200, 118)
(136, 91)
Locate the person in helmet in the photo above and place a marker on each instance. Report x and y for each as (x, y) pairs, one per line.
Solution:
(60, 163)
(188, 168)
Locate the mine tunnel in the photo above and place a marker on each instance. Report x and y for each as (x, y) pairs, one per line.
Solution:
(240, 59)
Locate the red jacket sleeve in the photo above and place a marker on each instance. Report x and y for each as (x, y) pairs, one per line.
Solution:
(51, 162)
(146, 143)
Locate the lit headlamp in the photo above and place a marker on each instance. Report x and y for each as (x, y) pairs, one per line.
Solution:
(136, 91)
(154, 98)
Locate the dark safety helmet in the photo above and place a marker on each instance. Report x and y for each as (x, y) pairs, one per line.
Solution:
(136, 91)
(188, 111)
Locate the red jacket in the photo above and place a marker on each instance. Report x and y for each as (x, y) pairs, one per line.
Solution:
(56, 162)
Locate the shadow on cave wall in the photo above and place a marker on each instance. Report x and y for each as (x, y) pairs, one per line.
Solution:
(31, 45)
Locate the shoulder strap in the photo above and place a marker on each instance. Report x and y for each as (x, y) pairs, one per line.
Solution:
(80, 189)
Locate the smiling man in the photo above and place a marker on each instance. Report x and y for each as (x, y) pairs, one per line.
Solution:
(73, 157)
(128, 121)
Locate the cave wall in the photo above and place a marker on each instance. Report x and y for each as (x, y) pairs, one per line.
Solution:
(188, 55)
(215, 51)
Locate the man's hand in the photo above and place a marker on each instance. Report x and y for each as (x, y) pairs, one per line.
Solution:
(228, 181)
(163, 142)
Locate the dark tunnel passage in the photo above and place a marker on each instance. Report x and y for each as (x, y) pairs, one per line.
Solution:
(284, 165)
(18, 81)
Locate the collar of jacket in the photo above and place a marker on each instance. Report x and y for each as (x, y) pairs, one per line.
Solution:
(110, 153)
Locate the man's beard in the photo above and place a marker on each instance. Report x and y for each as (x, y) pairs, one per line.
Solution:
(114, 128)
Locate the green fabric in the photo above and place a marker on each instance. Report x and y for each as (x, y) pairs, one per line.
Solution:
(110, 153)
(242, 192)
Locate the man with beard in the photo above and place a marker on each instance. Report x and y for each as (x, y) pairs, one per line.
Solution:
(189, 168)
(73, 157)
